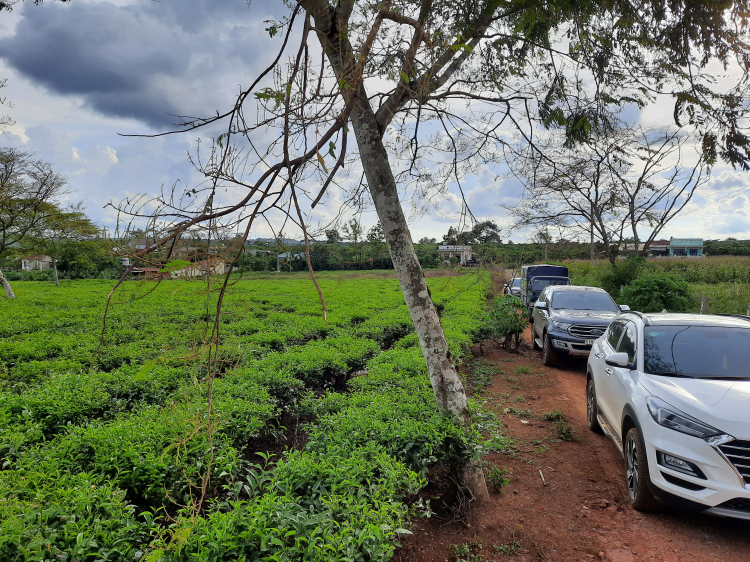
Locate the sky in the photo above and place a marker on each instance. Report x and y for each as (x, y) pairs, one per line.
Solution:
(84, 74)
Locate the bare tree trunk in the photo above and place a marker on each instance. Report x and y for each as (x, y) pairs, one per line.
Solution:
(54, 265)
(446, 384)
(592, 233)
(8, 290)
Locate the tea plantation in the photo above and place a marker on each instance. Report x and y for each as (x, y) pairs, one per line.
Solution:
(319, 436)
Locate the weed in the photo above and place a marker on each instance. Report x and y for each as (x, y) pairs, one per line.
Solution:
(541, 450)
(522, 370)
(511, 379)
(524, 413)
(500, 443)
(497, 477)
(515, 387)
(467, 552)
(480, 375)
(565, 432)
(519, 398)
(554, 416)
(509, 548)
(505, 395)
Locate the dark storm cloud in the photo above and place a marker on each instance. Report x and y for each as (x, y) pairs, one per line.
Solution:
(145, 60)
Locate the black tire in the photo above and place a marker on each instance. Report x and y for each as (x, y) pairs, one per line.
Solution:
(592, 409)
(549, 356)
(637, 480)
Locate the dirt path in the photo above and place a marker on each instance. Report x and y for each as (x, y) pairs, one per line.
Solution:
(580, 512)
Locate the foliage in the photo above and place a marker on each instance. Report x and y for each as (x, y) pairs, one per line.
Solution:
(498, 477)
(622, 273)
(508, 316)
(655, 292)
(554, 416)
(564, 431)
(100, 438)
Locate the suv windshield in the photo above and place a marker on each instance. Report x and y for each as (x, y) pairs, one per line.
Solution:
(701, 352)
(584, 300)
(515, 282)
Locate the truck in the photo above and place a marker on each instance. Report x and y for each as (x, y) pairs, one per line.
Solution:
(534, 278)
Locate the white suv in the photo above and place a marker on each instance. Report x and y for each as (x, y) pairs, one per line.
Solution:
(673, 393)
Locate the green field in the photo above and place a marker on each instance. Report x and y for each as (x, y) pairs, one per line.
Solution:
(317, 435)
(725, 280)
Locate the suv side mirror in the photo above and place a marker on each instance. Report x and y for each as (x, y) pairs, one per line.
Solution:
(624, 307)
(618, 360)
(541, 305)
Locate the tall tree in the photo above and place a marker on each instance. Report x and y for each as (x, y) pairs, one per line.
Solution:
(443, 86)
(30, 194)
(626, 182)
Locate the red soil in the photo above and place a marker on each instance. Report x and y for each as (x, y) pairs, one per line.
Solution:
(581, 512)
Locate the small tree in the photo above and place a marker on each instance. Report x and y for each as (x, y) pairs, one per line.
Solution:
(30, 194)
(508, 317)
(70, 225)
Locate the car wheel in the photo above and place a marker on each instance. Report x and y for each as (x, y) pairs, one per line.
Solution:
(636, 474)
(549, 355)
(591, 407)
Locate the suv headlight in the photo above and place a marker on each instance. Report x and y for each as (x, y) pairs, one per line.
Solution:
(560, 325)
(672, 418)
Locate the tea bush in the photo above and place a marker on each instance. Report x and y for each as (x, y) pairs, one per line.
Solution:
(102, 435)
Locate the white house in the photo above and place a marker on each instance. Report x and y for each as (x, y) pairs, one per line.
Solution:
(462, 252)
(36, 263)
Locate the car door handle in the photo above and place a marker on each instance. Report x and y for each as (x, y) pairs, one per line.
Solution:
(599, 355)
(608, 371)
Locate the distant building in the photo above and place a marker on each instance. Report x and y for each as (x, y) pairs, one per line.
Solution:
(36, 263)
(659, 248)
(462, 252)
(688, 247)
(201, 269)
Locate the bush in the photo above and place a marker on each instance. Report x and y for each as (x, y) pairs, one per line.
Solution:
(621, 274)
(657, 292)
(507, 317)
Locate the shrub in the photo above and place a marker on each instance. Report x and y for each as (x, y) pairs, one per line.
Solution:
(621, 274)
(655, 292)
(507, 317)
(497, 477)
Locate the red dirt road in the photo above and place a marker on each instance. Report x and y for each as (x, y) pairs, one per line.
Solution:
(582, 512)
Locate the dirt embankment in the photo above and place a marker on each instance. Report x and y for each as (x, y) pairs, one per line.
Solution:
(565, 499)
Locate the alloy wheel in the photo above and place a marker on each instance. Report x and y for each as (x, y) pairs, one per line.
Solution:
(632, 467)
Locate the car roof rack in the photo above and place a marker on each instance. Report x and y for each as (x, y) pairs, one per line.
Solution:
(640, 315)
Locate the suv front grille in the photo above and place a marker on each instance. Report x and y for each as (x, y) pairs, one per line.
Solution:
(738, 453)
(587, 332)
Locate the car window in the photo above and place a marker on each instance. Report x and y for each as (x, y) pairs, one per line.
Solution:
(697, 351)
(584, 300)
(627, 343)
(516, 282)
(615, 331)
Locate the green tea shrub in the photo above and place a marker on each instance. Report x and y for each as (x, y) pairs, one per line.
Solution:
(61, 516)
(655, 292)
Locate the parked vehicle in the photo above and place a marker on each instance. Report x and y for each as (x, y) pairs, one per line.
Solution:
(513, 287)
(672, 391)
(566, 320)
(534, 278)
